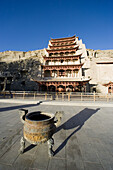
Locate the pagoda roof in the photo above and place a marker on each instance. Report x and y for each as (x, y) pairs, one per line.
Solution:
(107, 84)
(61, 41)
(65, 38)
(64, 79)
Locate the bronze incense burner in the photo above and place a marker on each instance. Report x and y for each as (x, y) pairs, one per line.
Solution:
(39, 127)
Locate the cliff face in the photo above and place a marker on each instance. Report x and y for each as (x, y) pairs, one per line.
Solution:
(21, 74)
(101, 68)
(23, 66)
(11, 56)
(19, 68)
(100, 54)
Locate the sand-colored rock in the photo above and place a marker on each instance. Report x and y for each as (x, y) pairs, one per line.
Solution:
(98, 65)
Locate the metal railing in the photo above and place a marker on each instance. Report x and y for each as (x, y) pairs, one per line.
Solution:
(62, 96)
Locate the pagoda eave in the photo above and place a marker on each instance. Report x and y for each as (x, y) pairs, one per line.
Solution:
(63, 41)
(61, 82)
(108, 84)
(65, 38)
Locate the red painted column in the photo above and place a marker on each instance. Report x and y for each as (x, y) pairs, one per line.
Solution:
(72, 73)
(57, 73)
(50, 73)
(65, 87)
(47, 88)
(39, 87)
(55, 88)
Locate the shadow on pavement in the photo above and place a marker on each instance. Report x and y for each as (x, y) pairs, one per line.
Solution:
(78, 121)
(17, 107)
(29, 147)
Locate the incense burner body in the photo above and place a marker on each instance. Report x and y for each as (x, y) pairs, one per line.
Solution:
(38, 128)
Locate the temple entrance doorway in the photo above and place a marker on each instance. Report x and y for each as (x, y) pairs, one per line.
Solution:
(47, 73)
(43, 88)
(78, 88)
(69, 88)
(110, 89)
(51, 88)
(61, 73)
(61, 88)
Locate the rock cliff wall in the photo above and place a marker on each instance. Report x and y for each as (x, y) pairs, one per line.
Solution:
(101, 68)
(23, 66)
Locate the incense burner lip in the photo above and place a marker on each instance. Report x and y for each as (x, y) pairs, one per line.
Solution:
(39, 116)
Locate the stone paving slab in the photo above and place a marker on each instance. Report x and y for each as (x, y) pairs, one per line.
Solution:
(83, 141)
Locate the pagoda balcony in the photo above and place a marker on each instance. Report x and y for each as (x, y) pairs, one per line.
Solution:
(64, 62)
(61, 78)
(64, 67)
(70, 57)
(65, 82)
(62, 45)
(64, 79)
(62, 48)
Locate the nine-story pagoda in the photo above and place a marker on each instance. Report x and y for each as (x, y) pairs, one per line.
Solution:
(62, 69)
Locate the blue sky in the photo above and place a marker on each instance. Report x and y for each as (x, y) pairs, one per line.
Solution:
(29, 24)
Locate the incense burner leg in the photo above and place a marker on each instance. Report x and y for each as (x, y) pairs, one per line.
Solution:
(22, 145)
(50, 147)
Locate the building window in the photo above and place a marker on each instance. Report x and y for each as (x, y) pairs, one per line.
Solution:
(62, 61)
(83, 72)
(95, 54)
(55, 62)
(109, 90)
(54, 73)
(56, 54)
(47, 73)
(66, 53)
(50, 54)
(75, 73)
(61, 54)
(68, 73)
(47, 62)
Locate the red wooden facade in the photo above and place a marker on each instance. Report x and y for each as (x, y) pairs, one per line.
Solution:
(62, 70)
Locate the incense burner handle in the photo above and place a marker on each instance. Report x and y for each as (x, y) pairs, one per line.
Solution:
(23, 113)
(58, 117)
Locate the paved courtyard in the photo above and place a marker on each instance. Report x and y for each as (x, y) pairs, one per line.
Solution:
(83, 141)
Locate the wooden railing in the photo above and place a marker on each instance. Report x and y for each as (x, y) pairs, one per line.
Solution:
(63, 96)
